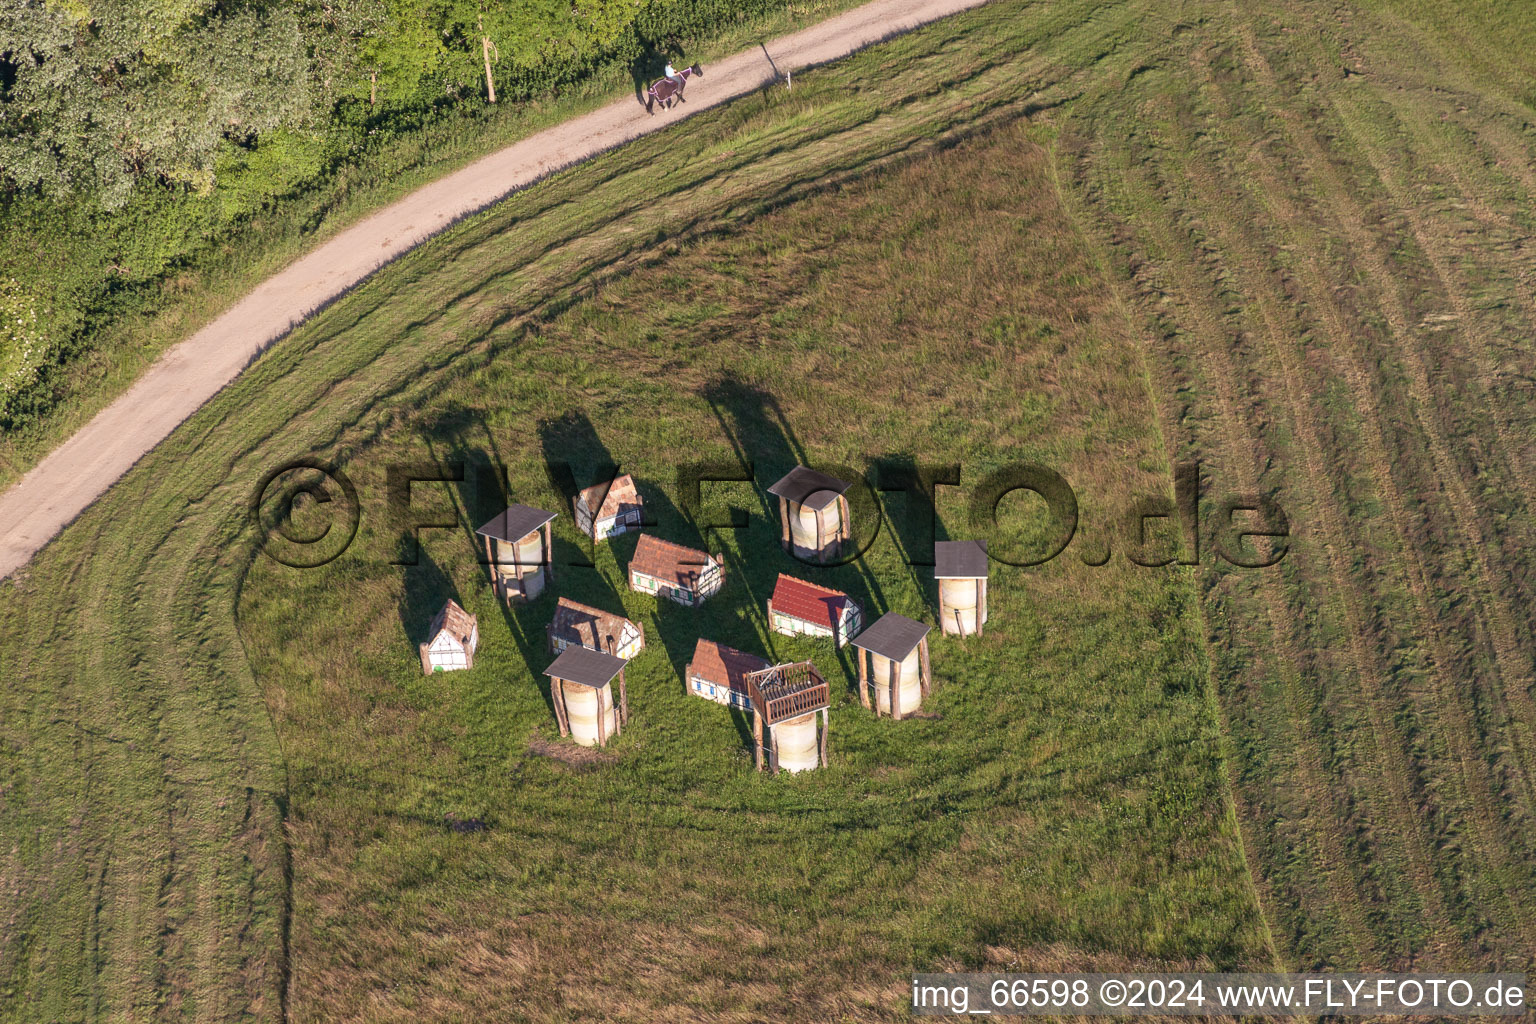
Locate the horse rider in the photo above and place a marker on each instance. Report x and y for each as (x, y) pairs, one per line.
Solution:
(671, 74)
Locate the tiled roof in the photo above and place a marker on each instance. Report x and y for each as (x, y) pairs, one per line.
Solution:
(588, 626)
(668, 562)
(613, 497)
(801, 600)
(458, 622)
(725, 666)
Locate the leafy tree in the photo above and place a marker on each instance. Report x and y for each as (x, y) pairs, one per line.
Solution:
(100, 93)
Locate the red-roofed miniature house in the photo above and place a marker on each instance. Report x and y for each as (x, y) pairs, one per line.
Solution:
(451, 640)
(607, 510)
(798, 607)
(669, 570)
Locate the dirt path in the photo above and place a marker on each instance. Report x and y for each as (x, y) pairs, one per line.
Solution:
(81, 469)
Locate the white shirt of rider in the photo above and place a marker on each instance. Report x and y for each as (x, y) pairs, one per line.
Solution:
(671, 72)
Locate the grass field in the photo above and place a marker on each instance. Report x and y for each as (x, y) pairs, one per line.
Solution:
(1153, 235)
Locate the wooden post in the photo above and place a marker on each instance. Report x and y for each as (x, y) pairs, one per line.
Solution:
(826, 720)
(602, 728)
(773, 751)
(784, 519)
(981, 604)
(821, 544)
(623, 703)
(858, 655)
(562, 715)
(549, 551)
(896, 689)
(926, 677)
(845, 527)
(486, 46)
(757, 740)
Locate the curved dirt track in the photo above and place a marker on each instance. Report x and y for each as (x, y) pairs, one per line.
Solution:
(80, 470)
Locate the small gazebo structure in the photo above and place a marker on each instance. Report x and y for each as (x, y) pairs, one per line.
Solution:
(960, 566)
(898, 664)
(580, 684)
(519, 544)
(607, 510)
(451, 640)
(581, 625)
(813, 513)
(789, 701)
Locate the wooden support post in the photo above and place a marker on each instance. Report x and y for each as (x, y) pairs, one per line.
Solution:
(773, 751)
(623, 703)
(757, 740)
(845, 528)
(549, 551)
(896, 689)
(826, 720)
(602, 726)
(858, 655)
(562, 714)
(981, 604)
(784, 519)
(926, 677)
(821, 544)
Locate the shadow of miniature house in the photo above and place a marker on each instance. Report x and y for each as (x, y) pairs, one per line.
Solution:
(719, 673)
(582, 691)
(813, 514)
(451, 640)
(789, 702)
(898, 655)
(580, 625)
(682, 574)
(961, 566)
(801, 608)
(607, 510)
(518, 545)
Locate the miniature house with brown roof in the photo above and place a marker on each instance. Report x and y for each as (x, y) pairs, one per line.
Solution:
(580, 625)
(801, 608)
(899, 675)
(789, 702)
(684, 575)
(719, 673)
(518, 544)
(451, 640)
(813, 514)
(960, 566)
(607, 510)
(581, 688)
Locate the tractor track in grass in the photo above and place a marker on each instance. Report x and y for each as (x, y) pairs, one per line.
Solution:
(1337, 870)
(1498, 839)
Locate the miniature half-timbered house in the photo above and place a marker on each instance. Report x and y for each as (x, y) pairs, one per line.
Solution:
(607, 510)
(789, 702)
(451, 640)
(813, 514)
(960, 566)
(684, 575)
(719, 673)
(580, 625)
(898, 658)
(581, 686)
(518, 544)
(798, 607)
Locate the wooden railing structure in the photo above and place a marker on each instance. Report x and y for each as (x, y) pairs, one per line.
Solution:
(781, 693)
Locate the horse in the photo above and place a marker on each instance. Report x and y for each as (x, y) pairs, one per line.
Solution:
(664, 90)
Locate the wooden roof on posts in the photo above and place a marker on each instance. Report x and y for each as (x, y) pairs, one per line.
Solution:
(807, 487)
(584, 666)
(960, 559)
(892, 637)
(787, 691)
(517, 522)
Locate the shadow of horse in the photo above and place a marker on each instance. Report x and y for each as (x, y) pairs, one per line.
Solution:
(664, 91)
